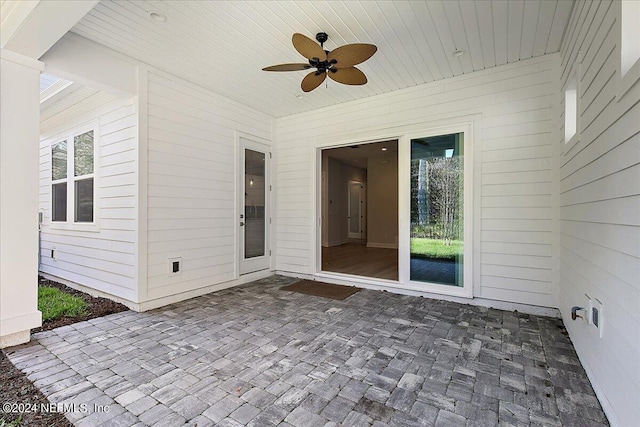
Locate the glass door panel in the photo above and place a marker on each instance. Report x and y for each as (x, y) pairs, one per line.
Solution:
(254, 205)
(253, 237)
(437, 226)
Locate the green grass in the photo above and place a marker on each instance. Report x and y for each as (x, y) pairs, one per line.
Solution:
(54, 304)
(14, 423)
(434, 248)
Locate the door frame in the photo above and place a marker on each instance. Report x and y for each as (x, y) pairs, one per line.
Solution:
(261, 263)
(315, 244)
(404, 207)
(469, 125)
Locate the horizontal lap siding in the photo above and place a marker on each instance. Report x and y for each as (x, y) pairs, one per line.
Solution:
(599, 180)
(191, 184)
(515, 147)
(103, 259)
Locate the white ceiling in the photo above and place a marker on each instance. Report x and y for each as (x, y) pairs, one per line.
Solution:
(223, 45)
(358, 155)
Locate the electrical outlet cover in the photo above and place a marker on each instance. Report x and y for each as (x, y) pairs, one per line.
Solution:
(174, 266)
(598, 312)
(589, 309)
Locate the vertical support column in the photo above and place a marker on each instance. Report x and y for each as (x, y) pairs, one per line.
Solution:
(142, 102)
(19, 146)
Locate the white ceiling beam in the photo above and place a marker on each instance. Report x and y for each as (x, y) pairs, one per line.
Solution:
(32, 27)
(85, 62)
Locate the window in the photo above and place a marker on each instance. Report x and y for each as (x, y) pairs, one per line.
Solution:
(570, 109)
(72, 178)
(59, 181)
(629, 45)
(437, 205)
(83, 177)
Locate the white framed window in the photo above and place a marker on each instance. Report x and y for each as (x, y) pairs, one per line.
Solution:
(629, 45)
(59, 162)
(73, 179)
(572, 110)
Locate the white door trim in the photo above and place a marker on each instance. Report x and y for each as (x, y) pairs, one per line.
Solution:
(263, 262)
(404, 201)
(469, 125)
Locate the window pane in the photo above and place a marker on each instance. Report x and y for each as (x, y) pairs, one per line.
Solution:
(59, 201)
(83, 154)
(254, 204)
(84, 200)
(59, 160)
(436, 209)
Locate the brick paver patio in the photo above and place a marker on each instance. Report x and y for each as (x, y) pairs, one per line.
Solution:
(255, 355)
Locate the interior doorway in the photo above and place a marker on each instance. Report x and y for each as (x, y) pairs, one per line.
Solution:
(356, 209)
(360, 210)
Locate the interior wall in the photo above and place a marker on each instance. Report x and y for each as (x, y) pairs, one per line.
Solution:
(102, 258)
(382, 199)
(599, 179)
(334, 178)
(516, 103)
(192, 167)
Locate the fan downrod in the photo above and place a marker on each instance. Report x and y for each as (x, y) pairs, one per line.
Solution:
(322, 37)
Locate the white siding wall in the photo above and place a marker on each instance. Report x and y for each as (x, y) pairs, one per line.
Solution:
(192, 162)
(516, 103)
(102, 259)
(600, 211)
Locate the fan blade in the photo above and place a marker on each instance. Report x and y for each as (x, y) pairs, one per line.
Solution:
(287, 67)
(351, 54)
(348, 76)
(312, 81)
(307, 47)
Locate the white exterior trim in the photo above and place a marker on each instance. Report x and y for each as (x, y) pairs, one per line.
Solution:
(392, 286)
(71, 223)
(161, 302)
(19, 59)
(471, 186)
(465, 124)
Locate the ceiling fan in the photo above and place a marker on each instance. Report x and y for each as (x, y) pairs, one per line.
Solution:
(338, 64)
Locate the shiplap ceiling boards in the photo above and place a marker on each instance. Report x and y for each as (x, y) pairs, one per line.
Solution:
(223, 45)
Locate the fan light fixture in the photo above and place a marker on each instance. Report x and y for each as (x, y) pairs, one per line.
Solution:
(338, 64)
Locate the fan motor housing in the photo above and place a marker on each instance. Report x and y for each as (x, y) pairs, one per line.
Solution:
(322, 37)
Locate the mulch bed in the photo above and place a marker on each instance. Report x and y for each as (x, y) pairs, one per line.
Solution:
(15, 387)
(96, 307)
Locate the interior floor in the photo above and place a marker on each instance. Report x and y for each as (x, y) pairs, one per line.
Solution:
(357, 259)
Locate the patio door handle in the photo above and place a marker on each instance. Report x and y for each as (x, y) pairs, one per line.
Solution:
(241, 223)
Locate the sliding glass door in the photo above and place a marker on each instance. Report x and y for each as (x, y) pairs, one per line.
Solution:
(437, 206)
